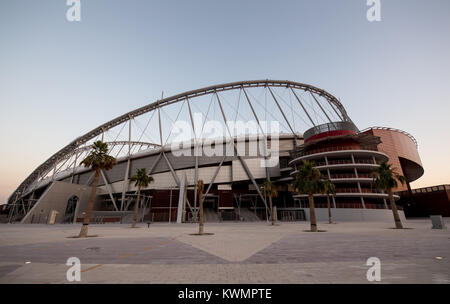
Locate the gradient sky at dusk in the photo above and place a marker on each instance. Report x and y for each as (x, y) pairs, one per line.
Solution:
(60, 79)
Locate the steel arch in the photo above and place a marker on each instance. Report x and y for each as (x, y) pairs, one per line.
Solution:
(61, 154)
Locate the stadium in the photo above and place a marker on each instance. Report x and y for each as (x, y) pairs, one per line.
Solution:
(232, 136)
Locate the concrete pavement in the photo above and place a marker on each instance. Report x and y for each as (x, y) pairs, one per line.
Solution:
(235, 253)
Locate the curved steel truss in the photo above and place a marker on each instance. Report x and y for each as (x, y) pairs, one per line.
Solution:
(113, 144)
(321, 103)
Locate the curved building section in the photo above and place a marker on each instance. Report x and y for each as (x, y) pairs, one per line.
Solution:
(347, 158)
(402, 150)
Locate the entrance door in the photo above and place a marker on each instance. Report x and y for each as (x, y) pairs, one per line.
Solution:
(69, 215)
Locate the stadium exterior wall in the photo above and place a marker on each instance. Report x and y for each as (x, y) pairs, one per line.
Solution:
(56, 198)
(403, 153)
(355, 215)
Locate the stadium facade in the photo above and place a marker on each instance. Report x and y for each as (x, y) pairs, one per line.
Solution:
(232, 145)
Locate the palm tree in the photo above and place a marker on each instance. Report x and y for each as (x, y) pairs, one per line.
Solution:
(141, 179)
(329, 189)
(386, 178)
(200, 189)
(270, 190)
(308, 181)
(97, 160)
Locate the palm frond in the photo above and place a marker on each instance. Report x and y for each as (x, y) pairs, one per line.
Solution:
(385, 177)
(328, 187)
(269, 189)
(308, 179)
(141, 178)
(98, 158)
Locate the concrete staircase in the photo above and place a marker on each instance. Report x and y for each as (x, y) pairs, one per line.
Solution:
(249, 216)
(127, 219)
(210, 215)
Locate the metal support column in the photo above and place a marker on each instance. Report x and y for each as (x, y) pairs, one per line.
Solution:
(320, 106)
(127, 171)
(262, 131)
(195, 149)
(282, 113)
(301, 104)
(243, 163)
(108, 187)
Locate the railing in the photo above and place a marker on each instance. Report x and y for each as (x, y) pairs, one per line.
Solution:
(338, 205)
(347, 190)
(335, 176)
(228, 215)
(100, 219)
(356, 190)
(346, 162)
(340, 162)
(163, 216)
(360, 175)
(291, 215)
(353, 190)
(426, 189)
(392, 129)
(332, 149)
(367, 161)
(353, 205)
(364, 175)
(328, 127)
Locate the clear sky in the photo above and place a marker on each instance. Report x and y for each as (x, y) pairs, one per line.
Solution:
(60, 79)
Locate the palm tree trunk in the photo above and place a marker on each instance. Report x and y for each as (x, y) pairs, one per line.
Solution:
(330, 220)
(136, 208)
(87, 216)
(200, 205)
(271, 211)
(398, 222)
(312, 213)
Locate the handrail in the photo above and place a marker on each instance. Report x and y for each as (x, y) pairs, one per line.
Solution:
(333, 149)
(328, 127)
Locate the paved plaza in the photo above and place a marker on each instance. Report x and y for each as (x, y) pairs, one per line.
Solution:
(235, 253)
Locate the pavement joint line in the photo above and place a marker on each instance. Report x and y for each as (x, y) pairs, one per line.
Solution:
(175, 237)
(93, 267)
(125, 255)
(44, 248)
